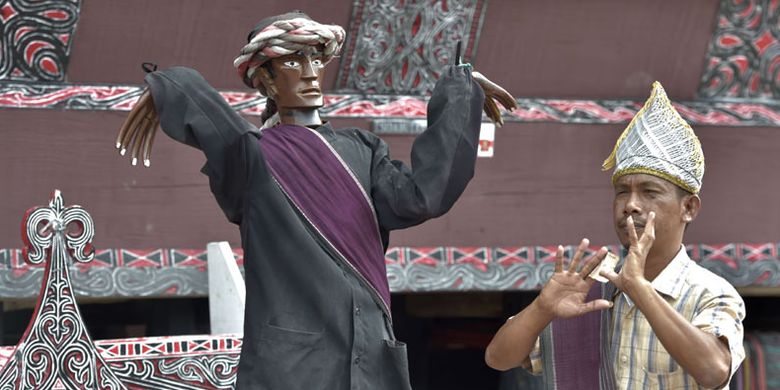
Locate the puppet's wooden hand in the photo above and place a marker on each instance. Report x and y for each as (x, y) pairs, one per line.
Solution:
(493, 93)
(138, 131)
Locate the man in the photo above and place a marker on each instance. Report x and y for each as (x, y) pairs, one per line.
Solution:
(665, 322)
(314, 205)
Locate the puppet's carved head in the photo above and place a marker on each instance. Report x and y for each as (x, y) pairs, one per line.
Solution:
(286, 57)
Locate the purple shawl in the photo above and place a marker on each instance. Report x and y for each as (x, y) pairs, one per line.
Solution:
(324, 189)
(575, 351)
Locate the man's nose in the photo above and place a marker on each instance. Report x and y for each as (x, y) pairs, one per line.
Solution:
(632, 206)
(308, 70)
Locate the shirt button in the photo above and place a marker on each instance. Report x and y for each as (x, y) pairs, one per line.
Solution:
(357, 311)
(623, 359)
(357, 360)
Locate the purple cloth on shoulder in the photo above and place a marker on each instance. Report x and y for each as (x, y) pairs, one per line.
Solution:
(324, 189)
(577, 349)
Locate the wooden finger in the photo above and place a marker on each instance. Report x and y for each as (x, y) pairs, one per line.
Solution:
(493, 112)
(129, 119)
(507, 100)
(149, 142)
(135, 119)
(139, 140)
(496, 91)
(134, 139)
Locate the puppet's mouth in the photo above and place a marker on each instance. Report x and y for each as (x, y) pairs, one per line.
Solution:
(311, 91)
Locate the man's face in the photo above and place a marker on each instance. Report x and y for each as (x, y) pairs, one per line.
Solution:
(639, 194)
(298, 79)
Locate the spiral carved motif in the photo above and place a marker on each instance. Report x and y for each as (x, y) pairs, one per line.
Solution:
(744, 55)
(56, 348)
(35, 38)
(403, 47)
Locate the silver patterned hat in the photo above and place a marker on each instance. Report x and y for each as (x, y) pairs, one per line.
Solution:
(659, 142)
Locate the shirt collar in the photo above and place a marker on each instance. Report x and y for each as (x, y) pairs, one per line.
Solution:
(671, 280)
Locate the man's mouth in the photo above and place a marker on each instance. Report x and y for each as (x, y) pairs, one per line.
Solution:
(624, 225)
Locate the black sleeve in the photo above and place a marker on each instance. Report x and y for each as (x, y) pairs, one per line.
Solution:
(194, 113)
(443, 156)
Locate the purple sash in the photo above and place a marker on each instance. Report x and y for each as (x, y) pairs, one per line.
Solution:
(325, 191)
(575, 350)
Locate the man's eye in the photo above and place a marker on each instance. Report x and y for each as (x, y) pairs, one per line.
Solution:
(292, 64)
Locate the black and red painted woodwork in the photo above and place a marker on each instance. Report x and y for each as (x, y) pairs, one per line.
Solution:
(35, 38)
(56, 350)
(743, 60)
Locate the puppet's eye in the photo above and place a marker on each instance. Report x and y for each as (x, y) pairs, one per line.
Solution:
(316, 62)
(292, 64)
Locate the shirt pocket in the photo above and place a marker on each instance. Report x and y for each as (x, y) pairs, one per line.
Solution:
(660, 370)
(283, 354)
(666, 380)
(277, 334)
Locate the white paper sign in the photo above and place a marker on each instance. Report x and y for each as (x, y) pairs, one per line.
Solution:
(487, 139)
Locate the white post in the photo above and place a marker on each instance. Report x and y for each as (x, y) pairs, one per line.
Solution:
(227, 291)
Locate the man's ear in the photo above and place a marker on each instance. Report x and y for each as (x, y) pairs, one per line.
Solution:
(264, 83)
(691, 207)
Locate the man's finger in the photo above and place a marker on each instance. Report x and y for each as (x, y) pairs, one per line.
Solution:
(611, 276)
(575, 261)
(593, 262)
(559, 259)
(632, 237)
(648, 236)
(596, 304)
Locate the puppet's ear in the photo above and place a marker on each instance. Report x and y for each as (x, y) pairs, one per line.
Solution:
(264, 83)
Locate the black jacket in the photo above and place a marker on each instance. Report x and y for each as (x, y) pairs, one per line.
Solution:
(309, 322)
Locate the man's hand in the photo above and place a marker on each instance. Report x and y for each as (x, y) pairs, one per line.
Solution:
(564, 295)
(633, 272)
(138, 131)
(493, 93)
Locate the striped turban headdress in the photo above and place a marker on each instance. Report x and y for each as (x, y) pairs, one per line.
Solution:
(285, 34)
(659, 142)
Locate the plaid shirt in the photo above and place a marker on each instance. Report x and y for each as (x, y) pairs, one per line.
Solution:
(706, 300)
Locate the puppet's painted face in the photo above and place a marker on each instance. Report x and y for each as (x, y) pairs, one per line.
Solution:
(298, 80)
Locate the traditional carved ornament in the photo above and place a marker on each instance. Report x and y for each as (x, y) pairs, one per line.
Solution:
(35, 38)
(168, 272)
(63, 96)
(57, 352)
(743, 60)
(56, 349)
(401, 47)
